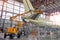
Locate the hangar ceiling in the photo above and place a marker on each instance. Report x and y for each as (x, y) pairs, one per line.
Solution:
(48, 4)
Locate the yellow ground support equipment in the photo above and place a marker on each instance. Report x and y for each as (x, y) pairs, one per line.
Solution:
(11, 31)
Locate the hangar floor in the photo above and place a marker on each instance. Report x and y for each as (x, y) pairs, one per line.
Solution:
(30, 38)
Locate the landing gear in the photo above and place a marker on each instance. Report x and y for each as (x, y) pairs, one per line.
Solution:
(19, 35)
(11, 36)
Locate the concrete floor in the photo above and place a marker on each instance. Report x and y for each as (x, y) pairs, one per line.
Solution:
(27, 38)
(15, 38)
(23, 38)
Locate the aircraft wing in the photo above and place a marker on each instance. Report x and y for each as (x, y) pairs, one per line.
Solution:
(42, 23)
